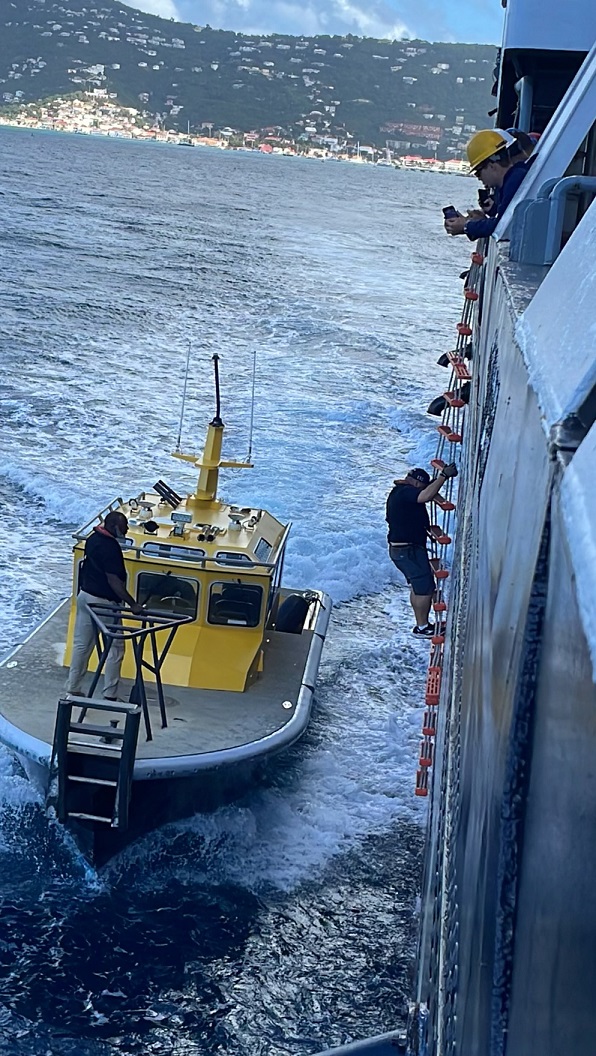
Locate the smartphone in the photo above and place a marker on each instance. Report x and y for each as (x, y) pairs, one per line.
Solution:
(449, 212)
(483, 195)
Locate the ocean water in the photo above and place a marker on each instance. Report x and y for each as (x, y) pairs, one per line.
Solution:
(285, 923)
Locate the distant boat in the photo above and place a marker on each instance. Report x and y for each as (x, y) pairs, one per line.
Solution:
(387, 160)
(186, 141)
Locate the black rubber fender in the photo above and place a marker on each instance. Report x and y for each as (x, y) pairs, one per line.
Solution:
(437, 406)
(292, 614)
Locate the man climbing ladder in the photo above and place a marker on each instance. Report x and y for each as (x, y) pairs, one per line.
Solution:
(408, 527)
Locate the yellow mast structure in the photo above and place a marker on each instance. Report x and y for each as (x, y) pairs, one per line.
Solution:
(210, 462)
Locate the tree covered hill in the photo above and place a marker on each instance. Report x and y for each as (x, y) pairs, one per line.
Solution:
(408, 92)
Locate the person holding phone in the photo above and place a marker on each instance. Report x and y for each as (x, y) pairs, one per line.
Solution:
(499, 161)
(486, 201)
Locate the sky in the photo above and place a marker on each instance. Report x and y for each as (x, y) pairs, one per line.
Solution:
(476, 21)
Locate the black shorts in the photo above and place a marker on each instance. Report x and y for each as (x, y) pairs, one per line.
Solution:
(413, 562)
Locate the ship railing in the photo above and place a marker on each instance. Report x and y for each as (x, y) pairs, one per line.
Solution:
(537, 226)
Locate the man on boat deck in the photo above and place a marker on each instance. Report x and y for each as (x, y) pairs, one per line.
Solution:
(408, 525)
(102, 578)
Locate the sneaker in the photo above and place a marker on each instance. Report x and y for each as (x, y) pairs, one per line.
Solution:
(424, 632)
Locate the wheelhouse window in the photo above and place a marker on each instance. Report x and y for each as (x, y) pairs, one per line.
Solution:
(232, 557)
(263, 549)
(175, 553)
(235, 604)
(168, 594)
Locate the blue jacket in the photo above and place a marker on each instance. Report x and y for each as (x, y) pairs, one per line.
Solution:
(514, 177)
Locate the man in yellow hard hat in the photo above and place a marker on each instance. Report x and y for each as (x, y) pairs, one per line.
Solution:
(497, 159)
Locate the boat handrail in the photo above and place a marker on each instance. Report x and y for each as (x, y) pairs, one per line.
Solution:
(201, 562)
(204, 561)
(114, 621)
(82, 533)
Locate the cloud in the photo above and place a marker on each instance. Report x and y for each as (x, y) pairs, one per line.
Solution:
(448, 20)
(375, 18)
(163, 8)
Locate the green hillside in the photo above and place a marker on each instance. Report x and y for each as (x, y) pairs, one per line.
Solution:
(410, 92)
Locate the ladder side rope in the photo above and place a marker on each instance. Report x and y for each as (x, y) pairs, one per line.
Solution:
(451, 434)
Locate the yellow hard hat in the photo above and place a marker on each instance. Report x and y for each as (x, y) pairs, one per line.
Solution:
(485, 143)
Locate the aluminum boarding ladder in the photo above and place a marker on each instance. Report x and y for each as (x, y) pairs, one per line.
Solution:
(92, 765)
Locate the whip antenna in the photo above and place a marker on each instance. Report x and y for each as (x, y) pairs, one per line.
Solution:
(183, 397)
(217, 420)
(252, 406)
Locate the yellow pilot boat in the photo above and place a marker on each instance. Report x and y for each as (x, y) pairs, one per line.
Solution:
(218, 671)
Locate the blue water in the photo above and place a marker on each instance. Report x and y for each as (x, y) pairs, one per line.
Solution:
(286, 923)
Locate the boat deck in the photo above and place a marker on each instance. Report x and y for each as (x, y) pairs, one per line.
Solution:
(199, 721)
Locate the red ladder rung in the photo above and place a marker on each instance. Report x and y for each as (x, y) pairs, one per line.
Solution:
(439, 606)
(426, 752)
(460, 370)
(436, 532)
(450, 436)
(444, 504)
(437, 567)
(421, 783)
(437, 463)
(429, 723)
(477, 258)
(433, 685)
(464, 330)
(470, 295)
(453, 399)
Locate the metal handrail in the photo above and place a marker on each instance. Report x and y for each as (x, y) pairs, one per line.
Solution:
(98, 518)
(202, 562)
(118, 631)
(558, 199)
(108, 618)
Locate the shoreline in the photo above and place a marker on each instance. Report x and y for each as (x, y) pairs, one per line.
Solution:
(176, 139)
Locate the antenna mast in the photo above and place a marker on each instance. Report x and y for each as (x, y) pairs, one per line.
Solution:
(210, 462)
(183, 398)
(217, 420)
(252, 406)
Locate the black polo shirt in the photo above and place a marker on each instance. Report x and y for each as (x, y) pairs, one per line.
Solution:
(103, 555)
(407, 518)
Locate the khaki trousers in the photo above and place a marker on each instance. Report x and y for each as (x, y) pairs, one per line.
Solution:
(83, 645)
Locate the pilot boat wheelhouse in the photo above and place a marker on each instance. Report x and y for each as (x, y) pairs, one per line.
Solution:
(218, 672)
